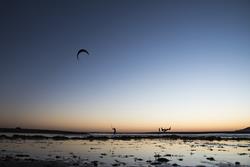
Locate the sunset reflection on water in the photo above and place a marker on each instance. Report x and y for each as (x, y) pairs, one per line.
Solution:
(133, 152)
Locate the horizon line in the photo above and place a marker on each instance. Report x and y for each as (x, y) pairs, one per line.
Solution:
(36, 130)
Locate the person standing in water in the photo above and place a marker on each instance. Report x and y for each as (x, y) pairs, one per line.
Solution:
(114, 131)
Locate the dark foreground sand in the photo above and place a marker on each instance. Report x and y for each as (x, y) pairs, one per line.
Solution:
(11, 162)
(33, 163)
(14, 162)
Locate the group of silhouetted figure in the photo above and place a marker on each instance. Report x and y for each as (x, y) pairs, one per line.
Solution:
(164, 130)
(161, 130)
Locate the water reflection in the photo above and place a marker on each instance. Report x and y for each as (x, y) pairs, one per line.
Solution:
(132, 152)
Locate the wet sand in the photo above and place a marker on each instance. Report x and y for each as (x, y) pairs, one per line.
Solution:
(18, 151)
(44, 163)
(31, 163)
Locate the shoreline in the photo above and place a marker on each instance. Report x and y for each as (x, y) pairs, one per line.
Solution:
(121, 137)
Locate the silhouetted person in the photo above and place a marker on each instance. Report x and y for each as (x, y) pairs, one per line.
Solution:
(165, 130)
(114, 129)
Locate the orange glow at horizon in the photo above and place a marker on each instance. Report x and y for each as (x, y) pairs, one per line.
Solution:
(143, 119)
(80, 124)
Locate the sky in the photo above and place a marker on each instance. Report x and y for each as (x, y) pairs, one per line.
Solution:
(184, 64)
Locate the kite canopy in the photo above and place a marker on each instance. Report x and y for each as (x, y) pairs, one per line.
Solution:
(81, 51)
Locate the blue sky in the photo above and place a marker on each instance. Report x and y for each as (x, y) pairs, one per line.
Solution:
(151, 63)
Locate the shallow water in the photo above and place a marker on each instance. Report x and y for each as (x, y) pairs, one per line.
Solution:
(132, 152)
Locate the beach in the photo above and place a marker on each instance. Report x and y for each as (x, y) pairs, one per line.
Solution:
(123, 151)
(117, 83)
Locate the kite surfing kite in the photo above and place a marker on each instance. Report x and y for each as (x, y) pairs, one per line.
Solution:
(81, 51)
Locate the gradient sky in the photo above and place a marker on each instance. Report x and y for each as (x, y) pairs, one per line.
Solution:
(152, 64)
